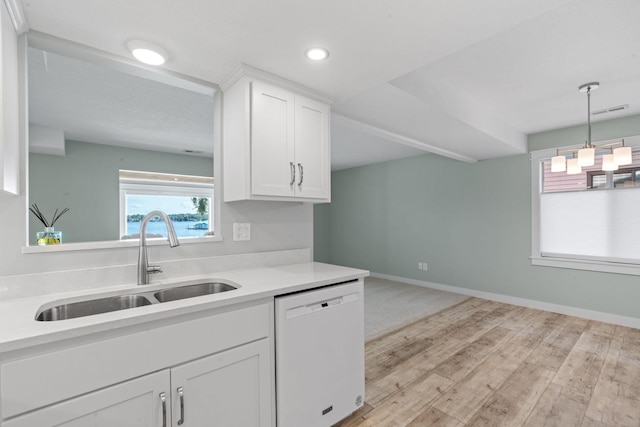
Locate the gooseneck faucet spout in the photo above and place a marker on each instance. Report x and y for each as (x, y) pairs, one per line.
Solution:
(144, 269)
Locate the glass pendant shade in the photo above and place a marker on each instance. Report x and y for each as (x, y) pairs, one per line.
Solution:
(573, 168)
(558, 164)
(609, 163)
(622, 155)
(586, 156)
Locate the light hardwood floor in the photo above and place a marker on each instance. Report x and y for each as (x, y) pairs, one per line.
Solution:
(484, 363)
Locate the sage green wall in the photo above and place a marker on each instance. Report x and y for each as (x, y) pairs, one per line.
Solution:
(321, 232)
(576, 135)
(86, 181)
(470, 222)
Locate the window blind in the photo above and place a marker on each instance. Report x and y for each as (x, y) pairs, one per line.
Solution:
(594, 224)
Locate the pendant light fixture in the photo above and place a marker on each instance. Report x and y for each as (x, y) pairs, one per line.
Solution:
(573, 168)
(587, 155)
(558, 163)
(618, 153)
(609, 162)
(623, 155)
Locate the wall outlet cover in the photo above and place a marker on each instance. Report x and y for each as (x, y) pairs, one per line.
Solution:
(241, 231)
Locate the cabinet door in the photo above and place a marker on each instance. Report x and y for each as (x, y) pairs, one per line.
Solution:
(135, 403)
(232, 388)
(312, 148)
(272, 139)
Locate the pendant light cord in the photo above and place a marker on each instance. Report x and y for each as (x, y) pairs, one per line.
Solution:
(589, 116)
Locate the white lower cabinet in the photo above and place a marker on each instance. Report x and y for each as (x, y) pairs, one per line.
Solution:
(231, 388)
(134, 403)
(226, 389)
(203, 370)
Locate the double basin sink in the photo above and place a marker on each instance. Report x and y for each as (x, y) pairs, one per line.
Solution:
(89, 307)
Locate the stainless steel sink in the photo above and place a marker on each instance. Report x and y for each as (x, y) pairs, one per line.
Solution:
(191, 291)
(69, 310)
(91, 307)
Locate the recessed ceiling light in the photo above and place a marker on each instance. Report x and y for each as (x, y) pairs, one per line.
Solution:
(147, 52)
(317, 53)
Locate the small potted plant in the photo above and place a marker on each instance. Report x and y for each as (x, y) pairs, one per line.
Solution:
(49, 236)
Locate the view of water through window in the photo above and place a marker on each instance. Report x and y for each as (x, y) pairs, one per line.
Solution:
(189, 215)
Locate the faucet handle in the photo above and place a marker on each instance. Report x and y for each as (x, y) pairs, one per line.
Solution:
(152, 269)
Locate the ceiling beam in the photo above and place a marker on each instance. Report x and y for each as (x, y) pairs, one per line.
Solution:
(400, 139)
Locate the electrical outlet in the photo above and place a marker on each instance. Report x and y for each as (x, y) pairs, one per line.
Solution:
(419, 266)
(241, 231)
(424, 266)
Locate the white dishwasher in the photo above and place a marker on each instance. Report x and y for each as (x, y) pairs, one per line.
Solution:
(319, 355)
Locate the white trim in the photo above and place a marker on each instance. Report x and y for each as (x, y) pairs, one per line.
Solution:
(114, 244)
(585, 264)
(632, 322)
(168, 189)
(16, 13)
(122, 211)
(244, 70)
(123, 64)
(400, 139)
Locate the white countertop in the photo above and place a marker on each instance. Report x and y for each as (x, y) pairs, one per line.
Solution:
(19, 329)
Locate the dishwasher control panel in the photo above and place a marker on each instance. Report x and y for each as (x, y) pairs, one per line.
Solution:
(320, 305)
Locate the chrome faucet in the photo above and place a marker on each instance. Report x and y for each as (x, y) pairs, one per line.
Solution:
(144, 269)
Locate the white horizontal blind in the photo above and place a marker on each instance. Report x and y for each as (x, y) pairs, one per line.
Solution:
(593, 224)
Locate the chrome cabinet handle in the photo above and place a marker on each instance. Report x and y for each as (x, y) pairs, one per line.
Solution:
(301, 174)
(181, 394)
(163, 399)
(293, 173)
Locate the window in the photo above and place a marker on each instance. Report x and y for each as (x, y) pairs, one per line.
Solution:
(628, 177)
(187, 200)
(589, 220)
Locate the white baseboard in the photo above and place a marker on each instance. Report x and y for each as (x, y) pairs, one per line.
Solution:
(632, 322)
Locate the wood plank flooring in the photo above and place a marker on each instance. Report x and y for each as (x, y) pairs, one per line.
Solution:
(484, 363)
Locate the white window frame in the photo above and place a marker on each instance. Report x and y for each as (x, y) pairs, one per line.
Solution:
(564, 261)
(163, 188)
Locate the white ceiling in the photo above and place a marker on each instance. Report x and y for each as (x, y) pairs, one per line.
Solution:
(94, 103)
(464, 78)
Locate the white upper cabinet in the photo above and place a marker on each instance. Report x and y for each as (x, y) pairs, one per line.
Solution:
(9, 105)
(272, 141)
(312, 149)
(276, 144)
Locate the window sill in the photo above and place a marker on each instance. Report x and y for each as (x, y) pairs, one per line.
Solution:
(589, 265)
(113, 244)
